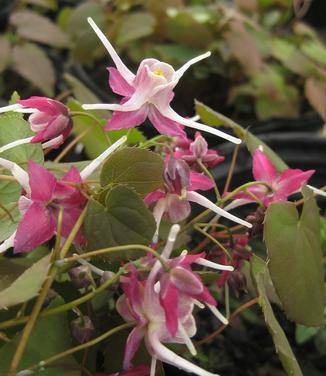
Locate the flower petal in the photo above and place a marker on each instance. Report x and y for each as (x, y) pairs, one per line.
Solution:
(203, 201)
(200, 181)
(118, 84)
(123, 120)
(262, 168)
(165, 125)
(169, 297)
(41, 181)
(37, 226)
(171, 114)
(44, 104)
(132, 345)
(123, 70)
(291, 180)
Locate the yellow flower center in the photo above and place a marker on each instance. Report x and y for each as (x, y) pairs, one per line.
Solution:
(158, 72)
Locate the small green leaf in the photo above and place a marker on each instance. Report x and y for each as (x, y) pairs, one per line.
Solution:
(14, 127)
(134, 26)
(50, 336)
(27, 285)
(260, 275)
(124, 220)
(139, 169)
(293, 246)
(305, 333)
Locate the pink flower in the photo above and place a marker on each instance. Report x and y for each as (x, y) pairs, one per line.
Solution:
(180, 187)
(180, 280)
(148, 94)
(281, 185)
(42, 197)
(40, 207)
(140, 303)
(198, 150)
(50, 120)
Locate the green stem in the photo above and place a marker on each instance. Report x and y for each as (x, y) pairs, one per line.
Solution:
(68, 306)
(87, 114)
(86, 345)
(206, 171)
(118, 248)
(215, 241)
(242, 188)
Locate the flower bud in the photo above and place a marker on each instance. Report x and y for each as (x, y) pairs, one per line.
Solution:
(82, 329)
(81, 276)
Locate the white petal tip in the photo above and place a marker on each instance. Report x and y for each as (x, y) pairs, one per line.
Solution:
(237, 141)
(174, 232)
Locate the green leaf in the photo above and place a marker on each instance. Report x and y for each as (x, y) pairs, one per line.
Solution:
(14, 127)
(305, 333)
(27, 285)
(213, 118)
(134, 26)
(8, 225)
(139, 169)
(293, 246)
(28, 56)
(315, 50)
(51, 335)
(260, 275)
(86, 46)
(124, 220)
(34, 27)
(292, 57)
(97, 140)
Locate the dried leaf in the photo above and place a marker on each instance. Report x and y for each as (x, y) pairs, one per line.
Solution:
(37, 28)
(33, 64)
(316, 94)
(243, 47)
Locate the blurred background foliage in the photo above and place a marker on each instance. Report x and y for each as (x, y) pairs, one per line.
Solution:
(266, 62)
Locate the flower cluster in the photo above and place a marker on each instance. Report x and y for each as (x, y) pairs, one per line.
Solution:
(158, 295)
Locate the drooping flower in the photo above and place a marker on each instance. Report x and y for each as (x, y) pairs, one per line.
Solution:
(141, 303)
(148, 94)
(281, 186)
(180, 186)
(197, 150)
(49, 119)
(42, 198)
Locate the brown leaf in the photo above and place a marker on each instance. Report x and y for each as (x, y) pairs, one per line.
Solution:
(243, 47)
(33, 64)
(5, 53)
(316, 94)
(34, 27)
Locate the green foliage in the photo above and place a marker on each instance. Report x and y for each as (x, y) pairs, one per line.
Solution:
(293, 246)
(123, 220)
(51, 335)
(13, 127)
(260, 275)
(19, 289)
(137, 168)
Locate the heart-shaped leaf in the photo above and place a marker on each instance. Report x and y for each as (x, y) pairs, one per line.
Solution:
(124, 220)
(260, 275)
(293, 246)
(137, 168)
